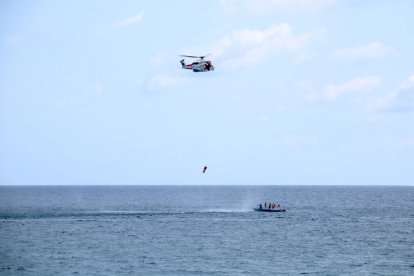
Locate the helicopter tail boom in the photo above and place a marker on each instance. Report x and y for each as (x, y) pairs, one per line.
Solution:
(185, 66)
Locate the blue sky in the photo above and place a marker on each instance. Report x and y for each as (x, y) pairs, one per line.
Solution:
(305, 92)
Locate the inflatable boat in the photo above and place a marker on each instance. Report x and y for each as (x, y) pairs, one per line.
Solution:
(269, 210)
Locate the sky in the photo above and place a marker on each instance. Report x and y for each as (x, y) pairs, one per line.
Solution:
(304, 92)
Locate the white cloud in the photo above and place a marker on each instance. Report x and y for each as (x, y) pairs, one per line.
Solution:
(264, 118)
(249, 47)
(266, 6)
(304, 57)
(291, 141)
(130, 21)
(402, 99)
(333, 92)
(297, 141)
(158, 59)
(14, 39)
(96, 88)
(307, 90)
(303, 85)
(374, 50)
(289, 5)
(164, 81)
(409, 143)
(408, 83)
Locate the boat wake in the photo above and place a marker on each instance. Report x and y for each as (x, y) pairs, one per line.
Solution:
(227, 210)
(113, 213)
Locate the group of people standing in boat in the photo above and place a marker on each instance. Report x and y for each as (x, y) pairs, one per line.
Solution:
(270, 205)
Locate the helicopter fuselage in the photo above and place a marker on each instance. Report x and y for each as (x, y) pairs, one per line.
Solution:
(198, 66)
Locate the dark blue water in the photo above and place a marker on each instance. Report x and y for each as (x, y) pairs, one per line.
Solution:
(211, 230)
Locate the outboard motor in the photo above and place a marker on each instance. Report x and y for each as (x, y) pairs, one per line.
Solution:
(182, 63)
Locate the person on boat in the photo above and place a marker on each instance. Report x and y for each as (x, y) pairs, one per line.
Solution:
(273, 205)
(260, 206)
(265, 205)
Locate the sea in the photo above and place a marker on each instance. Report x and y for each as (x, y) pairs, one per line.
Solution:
(206, 230)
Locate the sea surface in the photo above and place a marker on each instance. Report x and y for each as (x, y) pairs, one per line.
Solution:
(206, 230)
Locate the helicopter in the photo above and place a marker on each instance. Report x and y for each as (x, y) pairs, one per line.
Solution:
(199, 65)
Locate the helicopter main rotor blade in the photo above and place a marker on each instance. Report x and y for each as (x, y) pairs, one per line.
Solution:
(190, 56)
(202, 57)
(195, 56)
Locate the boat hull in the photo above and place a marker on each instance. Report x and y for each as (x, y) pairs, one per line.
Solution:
(269, 210)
